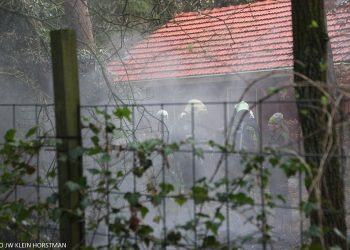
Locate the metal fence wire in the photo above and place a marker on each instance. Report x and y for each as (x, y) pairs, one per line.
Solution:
(209, 153)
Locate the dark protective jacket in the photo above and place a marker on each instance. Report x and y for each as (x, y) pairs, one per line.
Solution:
(245, 132)
(279, 138)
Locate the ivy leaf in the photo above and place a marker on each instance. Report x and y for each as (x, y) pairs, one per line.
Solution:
(123, 113)
(76, 152)
(171, 148)
(10, 135)
(52, 199)
(180, 200)
(199, 152)
(94, 128)
(219, 215)
(132, 198)
(212, 226)
(313, 231)
(157, 219)
(173, 237)
(166, 188)
(199, 194)
(105, 158)
(31, 132)
(274, 161)
(241, 199)
(210, 242)
(144, 211)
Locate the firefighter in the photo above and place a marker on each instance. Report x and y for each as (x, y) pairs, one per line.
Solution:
(162, 125)
(278, 137)
(190, 124)
(278, 134)
(245, 129)
(245, 138)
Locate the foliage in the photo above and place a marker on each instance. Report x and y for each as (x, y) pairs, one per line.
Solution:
(127, 212)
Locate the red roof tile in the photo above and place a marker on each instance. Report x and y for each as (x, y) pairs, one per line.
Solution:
(239, 38)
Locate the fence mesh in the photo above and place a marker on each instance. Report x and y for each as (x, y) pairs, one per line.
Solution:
(123, 137)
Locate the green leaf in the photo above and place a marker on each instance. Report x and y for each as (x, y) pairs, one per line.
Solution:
(31, 132)
(199, 152)
(123, 113)
(52, 199)
(314, 24)
(72, 186)
(132, 198)
(199, 194)
(173, 237)
(171, 148)
(157, 219)
(210, 242)
(219, 215)
(95, 140)
(166, 188)
(10, 135)
(324, 101)
(304, 112)
(308, 207)
(105, 158)
(76, 152)
(151, 144)
(323, 67)
(110, 127)
(144, 211)
(180, 199)
(120, 173)
(145, 230)
(313, 231)
(274, 161)
(272, 90)
(138, 171)
(212, 226)
(94, 128)
(241, 199)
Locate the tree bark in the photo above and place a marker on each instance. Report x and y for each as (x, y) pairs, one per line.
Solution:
(321, 143)
(78, 19)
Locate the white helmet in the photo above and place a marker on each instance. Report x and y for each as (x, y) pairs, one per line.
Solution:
(243, 106)
(198, 106)
(162, 114)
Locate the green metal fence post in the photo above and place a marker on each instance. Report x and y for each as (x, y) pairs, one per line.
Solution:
(67, 113)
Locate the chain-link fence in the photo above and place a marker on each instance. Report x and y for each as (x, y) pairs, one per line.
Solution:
(171, 175)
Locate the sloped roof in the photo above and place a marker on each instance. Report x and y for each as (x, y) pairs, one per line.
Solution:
(241, 38)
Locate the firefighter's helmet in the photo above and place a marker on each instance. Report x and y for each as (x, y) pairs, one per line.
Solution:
(162, 115)
(197, 105)
(243, 106)
(276, 118)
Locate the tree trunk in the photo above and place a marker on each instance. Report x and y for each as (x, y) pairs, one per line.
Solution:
(311, 47)
(78, 19)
